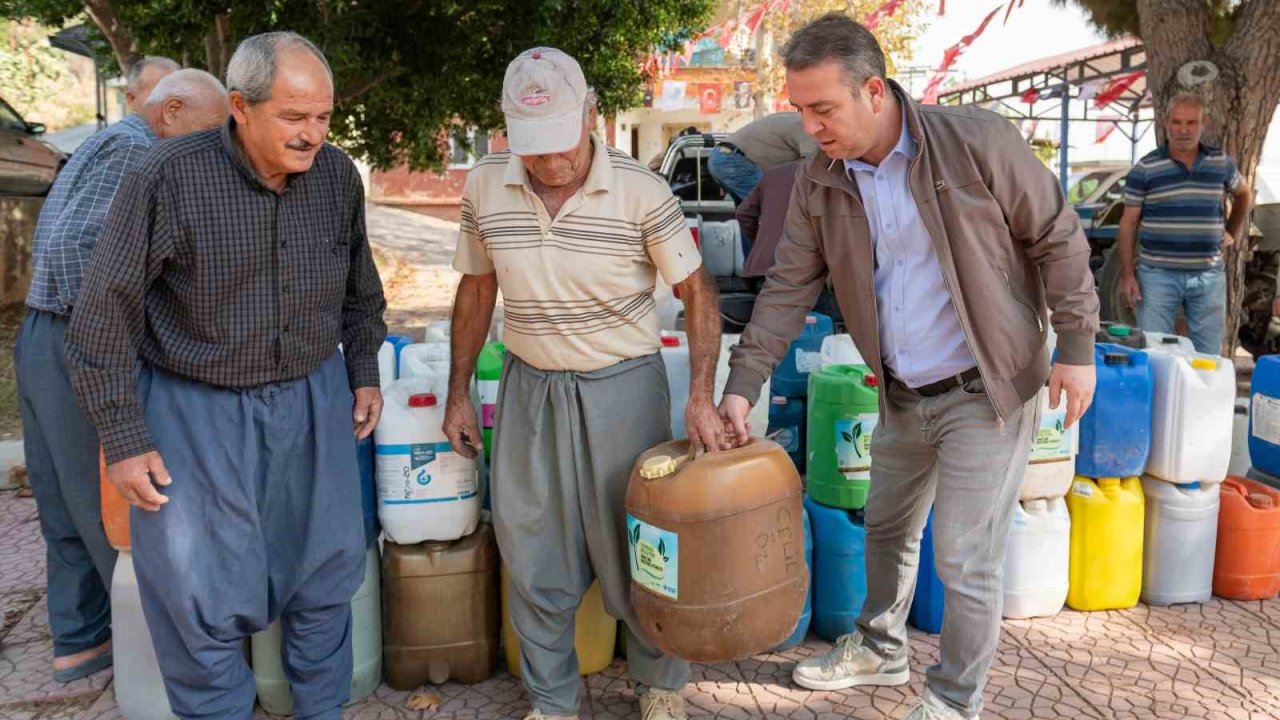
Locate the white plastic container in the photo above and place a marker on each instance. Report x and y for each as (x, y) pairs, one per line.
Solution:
(438, 332)
(1052, 465)
(386, 364)
(721, 244)
(138, 684)
(1038, 558)
(1192, 413)
(366, 647)
(1171, 343)
(425, 360)
(675, 355)
(667, 305)
(1181, 539)
(839, 350)
(758, 418)
(426, 491)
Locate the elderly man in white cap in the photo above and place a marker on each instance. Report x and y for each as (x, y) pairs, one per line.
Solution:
(574, 233)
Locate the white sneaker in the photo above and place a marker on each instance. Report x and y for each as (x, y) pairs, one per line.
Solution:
(932, 708)
(536, 714)
(848, 664)
(658, 704)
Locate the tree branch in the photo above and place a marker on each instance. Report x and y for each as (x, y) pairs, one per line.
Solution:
(118, 36)
(347, 94)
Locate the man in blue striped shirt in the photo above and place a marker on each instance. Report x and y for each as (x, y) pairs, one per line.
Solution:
(60, 443)
(1174, 207)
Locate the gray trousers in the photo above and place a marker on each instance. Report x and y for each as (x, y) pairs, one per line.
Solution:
(263, 521)
(948, 451)
(61, 448)
(564, 444)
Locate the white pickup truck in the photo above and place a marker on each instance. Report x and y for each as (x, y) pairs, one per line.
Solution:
(708, 211)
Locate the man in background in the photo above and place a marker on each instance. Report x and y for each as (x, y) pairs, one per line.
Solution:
(60, 442)
(143, 77)
(773, 140)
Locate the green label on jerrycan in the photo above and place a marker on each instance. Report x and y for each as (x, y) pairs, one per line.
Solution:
(1053, 443)
(853, 445)
(655, 558)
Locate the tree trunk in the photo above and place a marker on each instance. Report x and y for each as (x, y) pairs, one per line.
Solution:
(117, 35)
(1240, 103)
(217, 46)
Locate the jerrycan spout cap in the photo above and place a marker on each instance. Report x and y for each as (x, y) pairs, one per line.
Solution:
(1119, 331)
(1116, 358)
(658, 466)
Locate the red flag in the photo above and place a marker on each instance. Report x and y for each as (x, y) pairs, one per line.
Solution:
(757, 16)
(949, 57)
(726, 33)
(1031, 96)
(1116, 88)
(709, 98)
(884, 11)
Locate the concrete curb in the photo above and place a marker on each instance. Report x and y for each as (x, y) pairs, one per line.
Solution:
(11, 455)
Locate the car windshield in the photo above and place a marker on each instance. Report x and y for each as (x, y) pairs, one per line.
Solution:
(1081, 188)
(9, 119)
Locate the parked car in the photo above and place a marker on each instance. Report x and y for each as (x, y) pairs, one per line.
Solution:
(709, 213)
(27, 163)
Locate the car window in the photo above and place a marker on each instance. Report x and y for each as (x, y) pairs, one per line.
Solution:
(9, 118)
(1084, 187)
(1115, 193)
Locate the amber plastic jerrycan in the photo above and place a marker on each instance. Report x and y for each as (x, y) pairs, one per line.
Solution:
(716, 548)
(115, 509)
(440, 610)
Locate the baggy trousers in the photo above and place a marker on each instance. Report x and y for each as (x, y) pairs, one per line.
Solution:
(564, 445)
(263, 521)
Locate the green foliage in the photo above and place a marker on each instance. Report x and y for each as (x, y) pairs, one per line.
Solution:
(37, 79)
(405, 70)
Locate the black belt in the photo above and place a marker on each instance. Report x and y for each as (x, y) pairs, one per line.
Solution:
(947, 384)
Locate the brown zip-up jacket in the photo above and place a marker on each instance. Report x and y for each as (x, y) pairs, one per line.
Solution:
(1007, 240)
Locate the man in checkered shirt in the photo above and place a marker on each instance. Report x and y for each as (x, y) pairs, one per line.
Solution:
(61, 443)
(234, 264)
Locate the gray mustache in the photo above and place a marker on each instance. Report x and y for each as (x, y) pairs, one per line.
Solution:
(299, 145)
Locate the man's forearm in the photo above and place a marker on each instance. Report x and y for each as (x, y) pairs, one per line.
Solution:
(1124, 245)
(472, 313)
(1238, 222)
(702, 322)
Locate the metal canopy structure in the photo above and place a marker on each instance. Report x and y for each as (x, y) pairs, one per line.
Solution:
(1051, 89)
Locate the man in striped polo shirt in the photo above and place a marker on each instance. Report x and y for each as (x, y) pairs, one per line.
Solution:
(1174, 207)
(574, 234)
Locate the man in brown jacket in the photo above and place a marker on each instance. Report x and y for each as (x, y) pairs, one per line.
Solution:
(945, 239)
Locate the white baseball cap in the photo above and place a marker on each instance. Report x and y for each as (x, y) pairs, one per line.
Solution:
(543, 97)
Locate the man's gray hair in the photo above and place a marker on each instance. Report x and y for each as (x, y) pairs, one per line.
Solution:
(187, 85)
(252, 69)
(836, 37)
(1189, 99)
(135, 72)
(592, 102)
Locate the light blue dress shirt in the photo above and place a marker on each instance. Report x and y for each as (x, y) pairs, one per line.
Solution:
(921, 340)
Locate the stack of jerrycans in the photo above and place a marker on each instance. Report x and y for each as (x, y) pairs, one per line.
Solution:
(1192, 412)
(1037, 559)
(439, 560)
(843, 410)
(1105, 500)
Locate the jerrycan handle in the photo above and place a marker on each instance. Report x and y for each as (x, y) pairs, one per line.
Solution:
(1115, 358)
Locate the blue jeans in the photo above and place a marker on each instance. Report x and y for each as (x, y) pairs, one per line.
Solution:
(1201, 294)
(735, 172)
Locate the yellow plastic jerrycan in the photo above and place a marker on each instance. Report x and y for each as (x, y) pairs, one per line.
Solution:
(594, 632)
(1106, 543)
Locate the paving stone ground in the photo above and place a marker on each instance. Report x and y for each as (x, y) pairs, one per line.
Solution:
(1219, 660)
